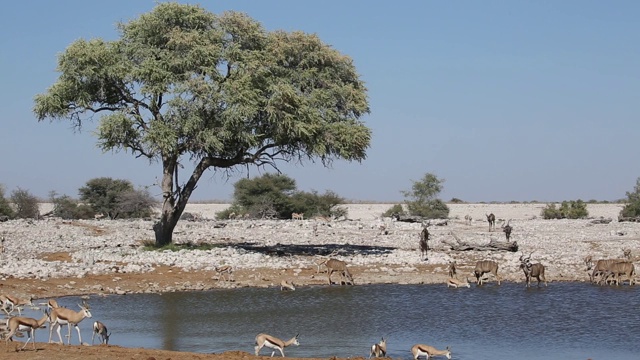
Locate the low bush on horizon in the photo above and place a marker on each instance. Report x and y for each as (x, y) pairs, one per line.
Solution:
(632, 207)
(568, 210)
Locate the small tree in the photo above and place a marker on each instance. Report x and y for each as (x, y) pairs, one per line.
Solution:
(103, 194)
(632, 207)
(5, 208)
(135, 204)
(183, 84)
(422, 199)
(396, 209)
(26, 204)
(64, 206)
(265, 196)
(574, 209)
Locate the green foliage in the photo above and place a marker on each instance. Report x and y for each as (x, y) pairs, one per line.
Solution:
(5, 208)
(65, 207)
(313, 204)
(396, 209)
(103, 194)
(221, 90)
(234, 209)
(568, 210)
(26, 204)
(422, 199)
(632, 207)
(135, 204)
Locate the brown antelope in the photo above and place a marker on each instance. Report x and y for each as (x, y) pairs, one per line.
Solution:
(101, 330)
(14, 303)
(224, 272)
(379, 349)
(532, 270)
(484, 267)
(452, 270)
(617, 269)
(63, 316)
(334, 265)
(507, 230)
(429, 351)
(286, 285)
(455, 283)
(424, 242)
(588, 261)
(274, 343)
(492, 221)
(602, 267)
(297, 216)
(25, 324)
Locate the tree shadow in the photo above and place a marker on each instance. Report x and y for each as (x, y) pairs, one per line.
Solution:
(312, 250)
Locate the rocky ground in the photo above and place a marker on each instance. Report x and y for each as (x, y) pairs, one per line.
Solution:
(52, 257)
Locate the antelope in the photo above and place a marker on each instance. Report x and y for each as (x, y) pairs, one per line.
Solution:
(627, 253)
(379, 349)
(98, 216)
(484, 267)
(2, 248)
(297, 216)
(334, 265)
(224, 272)
(452, 270)
(468, 219)
(101, 330)
(274, 343)
(424, 242)
(602, 267)
(620, 268)
(323, 260)
(455, 283)
(588, 261)
(425, 350)
(25, 324)
(63, 316)
(492, 221)
(232, 216)
(15, 303)
(286, 285)
(507, 230)
(532, 270)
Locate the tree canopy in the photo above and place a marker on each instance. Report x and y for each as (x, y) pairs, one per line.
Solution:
(422, 199)
(184, 84)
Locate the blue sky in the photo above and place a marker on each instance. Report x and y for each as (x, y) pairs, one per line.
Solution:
(505, 100)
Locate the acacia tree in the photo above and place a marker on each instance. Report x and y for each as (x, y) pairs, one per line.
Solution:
(422, 199)
(184, 84)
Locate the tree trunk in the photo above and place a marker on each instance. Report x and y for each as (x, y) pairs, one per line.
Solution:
(164, 230)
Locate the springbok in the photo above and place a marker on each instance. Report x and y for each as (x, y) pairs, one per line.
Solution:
(101, 330)
(334, 265)
(492, 221)
(25, 324)
(224, 272)
(297, 216)
(379, 349)
(425, 350)
(484, 267)
(14, 303)
(63, 316)
(274, 343)
(532, 270)
(286, 285)
(455, 283)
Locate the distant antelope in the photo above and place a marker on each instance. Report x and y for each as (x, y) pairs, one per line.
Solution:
(627, 253)
(468, 219)
(339, 266)
(588, 261)
(532, 270)
(224, 272)
(286, 285)
(101, 330)
(98, 216)
(429, 351)
(492, 221)
(452, 270)
(424, 242)
(274, 343)
(379, 349)
(484, 267)
(297, 216)
(507, 230)
(455, 283)
(14, 303)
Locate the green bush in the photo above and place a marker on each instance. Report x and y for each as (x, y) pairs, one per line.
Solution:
(102, 194)
(432, 209)
(632, 207)
(5, 208)
(422, 199)
(26, 204)
(568, 210)
(396, 209)
(64, 206)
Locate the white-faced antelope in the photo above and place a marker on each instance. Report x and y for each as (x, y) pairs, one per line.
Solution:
(379, 349)
(63, 316)
(492, 221)
(274, 343)
(101, 330)
(455, 283)
(486, 267)
(428, 351)
(334, 265)
(25, 324)
(286, 285)
(532, 270)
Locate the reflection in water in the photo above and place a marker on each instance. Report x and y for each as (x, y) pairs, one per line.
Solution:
(562, 321)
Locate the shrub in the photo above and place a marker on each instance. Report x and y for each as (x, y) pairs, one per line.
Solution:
(135, 204)
(422, 199)
(456, 201)
(103, 194)
(26, 204)
(568, 210)
(396, 209)
(63, 206)
(5, 208)
(632, 207)
(432, 209)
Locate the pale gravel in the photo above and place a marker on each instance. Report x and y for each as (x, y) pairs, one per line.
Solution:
(560, 244)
